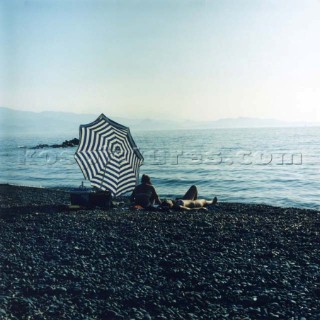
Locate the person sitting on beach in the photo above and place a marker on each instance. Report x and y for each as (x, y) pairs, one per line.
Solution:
(189, 201)
(145, 194)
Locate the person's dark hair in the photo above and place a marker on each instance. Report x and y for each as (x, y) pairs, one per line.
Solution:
(145, 179)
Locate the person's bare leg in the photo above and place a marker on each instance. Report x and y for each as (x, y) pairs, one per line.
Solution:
(199, 203)
(213, 201)
(189, 209)
(191, 194)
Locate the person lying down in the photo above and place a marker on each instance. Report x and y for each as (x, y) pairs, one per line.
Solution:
(145, 196)
(189, 201)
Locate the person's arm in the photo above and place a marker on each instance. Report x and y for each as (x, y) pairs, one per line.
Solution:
(133, 195)
(155, 196)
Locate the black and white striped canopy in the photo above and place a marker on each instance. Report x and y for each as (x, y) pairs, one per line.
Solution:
(108, 156)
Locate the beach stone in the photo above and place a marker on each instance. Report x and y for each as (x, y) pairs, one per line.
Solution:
(3, 312)
(243, 262)
(110, 314)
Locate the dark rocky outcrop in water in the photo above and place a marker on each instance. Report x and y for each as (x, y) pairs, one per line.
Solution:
(67, 143)
(236, 261)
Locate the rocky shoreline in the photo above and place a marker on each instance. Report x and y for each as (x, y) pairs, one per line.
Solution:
(236, 261)
(65, 144)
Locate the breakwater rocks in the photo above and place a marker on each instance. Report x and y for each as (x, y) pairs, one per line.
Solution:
(67, 143)
(234, 262)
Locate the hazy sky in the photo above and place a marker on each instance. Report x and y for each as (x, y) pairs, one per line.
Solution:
(188, 59)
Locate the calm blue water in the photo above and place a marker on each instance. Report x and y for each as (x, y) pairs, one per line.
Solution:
(277, 166)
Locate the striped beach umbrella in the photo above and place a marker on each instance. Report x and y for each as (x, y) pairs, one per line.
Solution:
(108, 156)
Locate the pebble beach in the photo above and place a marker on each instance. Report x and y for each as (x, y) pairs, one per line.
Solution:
(235, 261)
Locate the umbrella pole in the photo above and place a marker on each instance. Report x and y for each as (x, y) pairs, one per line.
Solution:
(104, 173)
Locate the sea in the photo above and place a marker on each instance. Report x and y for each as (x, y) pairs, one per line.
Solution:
(274, 166)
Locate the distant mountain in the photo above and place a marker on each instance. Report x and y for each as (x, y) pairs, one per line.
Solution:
(243, 122)
(48, 122)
